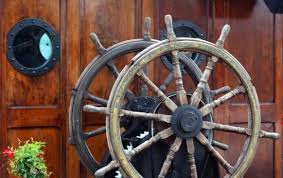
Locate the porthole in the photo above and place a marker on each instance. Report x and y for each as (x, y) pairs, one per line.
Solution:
(183, 28)
(33, 47)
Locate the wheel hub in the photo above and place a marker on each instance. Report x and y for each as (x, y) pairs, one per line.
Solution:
(186, 121)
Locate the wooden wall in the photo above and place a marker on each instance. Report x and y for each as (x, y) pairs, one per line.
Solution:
(34, 106)
(256, 41)
(37, 107)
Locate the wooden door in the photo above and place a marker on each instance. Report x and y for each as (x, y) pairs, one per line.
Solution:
(113, 21)
(34, 106)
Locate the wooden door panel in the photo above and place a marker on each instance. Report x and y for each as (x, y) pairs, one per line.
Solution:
(251, 42)
(113, 22)
(49, 135)
(239, 112)
(34, 106)
(194, 11)
(263, 164)
(24, 90)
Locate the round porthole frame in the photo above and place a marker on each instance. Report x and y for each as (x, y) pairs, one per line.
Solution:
(52, 34)
(186, 25)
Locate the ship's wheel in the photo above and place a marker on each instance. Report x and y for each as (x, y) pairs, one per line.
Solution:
(183, 123)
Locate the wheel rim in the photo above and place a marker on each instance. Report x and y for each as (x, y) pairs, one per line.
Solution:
(82, 85)
(196, 45)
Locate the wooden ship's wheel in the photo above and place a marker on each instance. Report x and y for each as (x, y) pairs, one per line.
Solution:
(177, 127)
(83, 100)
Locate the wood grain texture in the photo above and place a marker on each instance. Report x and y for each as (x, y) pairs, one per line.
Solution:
(278, 45)
(38, 106)
(73, 72)
(32, 91)
(255, 39)
(113, 21)
(49, 135)
(35, 106)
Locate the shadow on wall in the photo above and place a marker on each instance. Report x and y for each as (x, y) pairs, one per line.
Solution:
(275, 6)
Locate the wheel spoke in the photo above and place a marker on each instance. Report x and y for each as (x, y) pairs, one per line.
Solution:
(110, 166)
(227, 128)
(98, 131)
(159, 136)
(111, 66)
(167, 81)
(146, 33)
(96, 99)
(218, 91)
(180, 91)
(170, 156)
(100, 48)
(191, 157)
(166, 100)
(197, 95)
(203, 140)
(114, 164)
(265, 134)
(208, 108)
(220, 145)
(140, 115)
(239, 130)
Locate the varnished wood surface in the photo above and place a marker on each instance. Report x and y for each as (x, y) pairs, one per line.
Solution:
(34, 106)
(252, 42)
(37, 107)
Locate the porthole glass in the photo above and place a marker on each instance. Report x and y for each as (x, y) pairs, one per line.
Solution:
(33, 47)
(45, 46)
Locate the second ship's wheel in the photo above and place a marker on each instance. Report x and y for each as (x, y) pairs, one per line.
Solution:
(83, 96)
(185, 123)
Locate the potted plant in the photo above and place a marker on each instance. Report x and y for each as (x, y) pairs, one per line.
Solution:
(26, 160)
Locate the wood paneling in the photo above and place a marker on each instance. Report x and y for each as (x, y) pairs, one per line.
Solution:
(251, 42)
(34, 106)
(37, 106)
(255, 41)
(113, 21)
(32, 91)
(49, 135)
